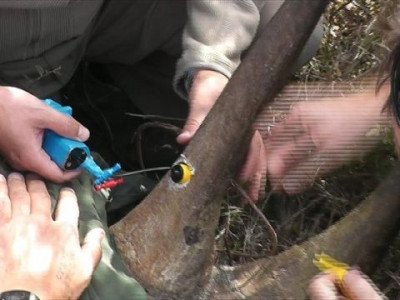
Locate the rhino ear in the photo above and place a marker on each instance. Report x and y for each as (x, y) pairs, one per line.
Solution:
(167, 241)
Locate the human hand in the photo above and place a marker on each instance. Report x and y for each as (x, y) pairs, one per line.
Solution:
(357, 286)
(206, 87)
(38, 254)
(317, 137)
(22, 123)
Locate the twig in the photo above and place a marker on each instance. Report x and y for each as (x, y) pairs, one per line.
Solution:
(271, 230)
(138, 136)
(227, 250)
(338, 10)
(300, 211)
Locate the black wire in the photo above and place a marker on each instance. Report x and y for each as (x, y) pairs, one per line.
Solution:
(95, 108)
(158, 117)
(142, 171)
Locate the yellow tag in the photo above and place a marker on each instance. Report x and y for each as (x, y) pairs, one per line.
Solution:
(330, 265)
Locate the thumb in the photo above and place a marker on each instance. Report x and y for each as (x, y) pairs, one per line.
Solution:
(91, 250)
(322, 287)
(254, 169)
(65, 125)
(199, 110)
(192, 124)
(359, 286)
(206, 88)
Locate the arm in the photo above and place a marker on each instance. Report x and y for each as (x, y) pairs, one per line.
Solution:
(215, 36)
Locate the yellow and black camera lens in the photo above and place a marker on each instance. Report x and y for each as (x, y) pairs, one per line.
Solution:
(181, 173)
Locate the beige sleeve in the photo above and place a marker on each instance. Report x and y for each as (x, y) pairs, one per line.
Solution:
(216, 34)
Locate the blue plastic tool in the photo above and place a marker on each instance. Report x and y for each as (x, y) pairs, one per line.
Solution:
(70, 154)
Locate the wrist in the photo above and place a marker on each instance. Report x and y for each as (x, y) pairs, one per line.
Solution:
(372, 104)
(18, 295)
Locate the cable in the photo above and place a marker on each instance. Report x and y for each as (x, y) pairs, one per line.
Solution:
(142, 171)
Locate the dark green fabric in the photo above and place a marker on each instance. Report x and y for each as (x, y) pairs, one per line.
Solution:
(42, 47)
(111, 279)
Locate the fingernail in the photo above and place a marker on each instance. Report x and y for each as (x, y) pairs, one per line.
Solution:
(2, 178)
(183, 137)
(355, 268)
(15, 175)
(185, 134)
(100, 233)
(83, 133)
(68, 189)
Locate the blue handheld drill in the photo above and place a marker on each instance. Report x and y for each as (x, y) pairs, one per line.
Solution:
(70, 154)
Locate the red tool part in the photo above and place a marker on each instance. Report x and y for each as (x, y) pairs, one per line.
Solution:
(109, 184)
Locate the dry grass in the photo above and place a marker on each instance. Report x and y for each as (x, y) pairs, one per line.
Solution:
(350, 48)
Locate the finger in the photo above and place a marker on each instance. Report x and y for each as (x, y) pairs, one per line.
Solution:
(64, 125)
(5, 203)
(254, 168)
(19, 196)
(306, 173)
(206, 88)
(359, 286)
(198, 113)
(321, 162)
(67, 210)
(44, 166)
(190, 128)
(40, 198)
(252, 157)
(91, 249)
(260, 181)
(287, 156)
(322, 287)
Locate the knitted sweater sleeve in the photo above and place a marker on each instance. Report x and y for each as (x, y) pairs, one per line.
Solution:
(216, 34)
